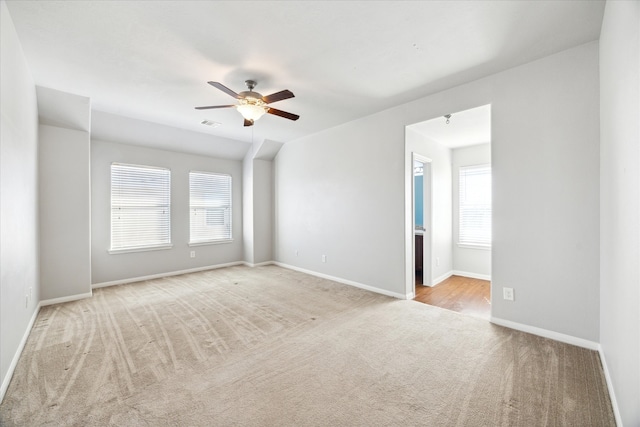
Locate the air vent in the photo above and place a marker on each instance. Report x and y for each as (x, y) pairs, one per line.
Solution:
(210, 123)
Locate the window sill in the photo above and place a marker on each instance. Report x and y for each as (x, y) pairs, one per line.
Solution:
(145, 249)
(472, 246)
(211, 242)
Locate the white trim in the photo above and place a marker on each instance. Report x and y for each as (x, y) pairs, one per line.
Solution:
(472, 275)
(14, 362)
(345, 281)
(65, 299)
(409, 217)
(612, 394)
(441, 278)
(160, 275)
(211, 242)
(557, 336)
(260, 264)
(139, 249)
(472, 246)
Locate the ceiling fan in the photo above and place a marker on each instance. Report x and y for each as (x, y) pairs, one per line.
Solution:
(253, 105)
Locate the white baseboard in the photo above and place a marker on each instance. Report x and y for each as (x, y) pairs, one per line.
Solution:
(14, 362)
(65, 299)
(167, 274)
(472, 275)
(345, 281)
(441, 278)
(450, 273)
(612, 394)
(557, 336)
(260, 264)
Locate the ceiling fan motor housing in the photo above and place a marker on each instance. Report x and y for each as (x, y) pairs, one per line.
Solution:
(249, 94)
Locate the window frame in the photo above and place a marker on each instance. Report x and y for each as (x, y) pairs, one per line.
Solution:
(211, 240)
(144, 246)
(466, 242)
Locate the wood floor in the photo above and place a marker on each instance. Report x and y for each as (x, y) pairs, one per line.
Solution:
(461, 294)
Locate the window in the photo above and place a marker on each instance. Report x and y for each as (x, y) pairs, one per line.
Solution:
(210, 207)
(140, 207)
(475, 206)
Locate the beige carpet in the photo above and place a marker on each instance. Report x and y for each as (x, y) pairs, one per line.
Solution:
(268, 346)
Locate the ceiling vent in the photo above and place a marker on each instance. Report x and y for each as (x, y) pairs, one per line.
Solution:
(210, 123)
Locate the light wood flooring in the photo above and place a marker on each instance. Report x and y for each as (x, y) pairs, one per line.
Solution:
(462, 294)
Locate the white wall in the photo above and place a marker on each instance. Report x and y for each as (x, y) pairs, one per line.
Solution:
(247, 208)
(263, 210)
(468, 261)
(441, 243)
(620, 203)
(65, 228)
(64, 195)
(257, 196)
(342, 192)
(545, 168)
(107, 267)
(18, 198)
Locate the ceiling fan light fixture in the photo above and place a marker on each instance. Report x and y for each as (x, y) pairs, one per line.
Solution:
(253, 105)
(252, 108)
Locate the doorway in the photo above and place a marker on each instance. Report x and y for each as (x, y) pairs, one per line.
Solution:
(422, 215)
(446, 148)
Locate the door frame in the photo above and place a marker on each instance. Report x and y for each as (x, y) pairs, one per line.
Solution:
(410, 249)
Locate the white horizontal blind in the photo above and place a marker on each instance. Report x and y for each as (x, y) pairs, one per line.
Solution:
(475, 205)
(140, 207)
(210, 207)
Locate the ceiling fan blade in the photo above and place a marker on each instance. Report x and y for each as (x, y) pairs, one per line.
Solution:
(214, 106)
(284, 114)
(278, 96)
(248, 122)
(224, 89)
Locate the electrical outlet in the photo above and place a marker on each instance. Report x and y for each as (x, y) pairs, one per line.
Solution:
(193, 254)
(507, 293)
(437, 261)
(296, 252)
(324, 258)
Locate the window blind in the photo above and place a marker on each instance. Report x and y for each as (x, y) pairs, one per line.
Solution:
(475, 205)
(210, 207)
(140, 207)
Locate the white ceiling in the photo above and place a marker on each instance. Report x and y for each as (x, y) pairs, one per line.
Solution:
(465, 128)
(150, 60)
